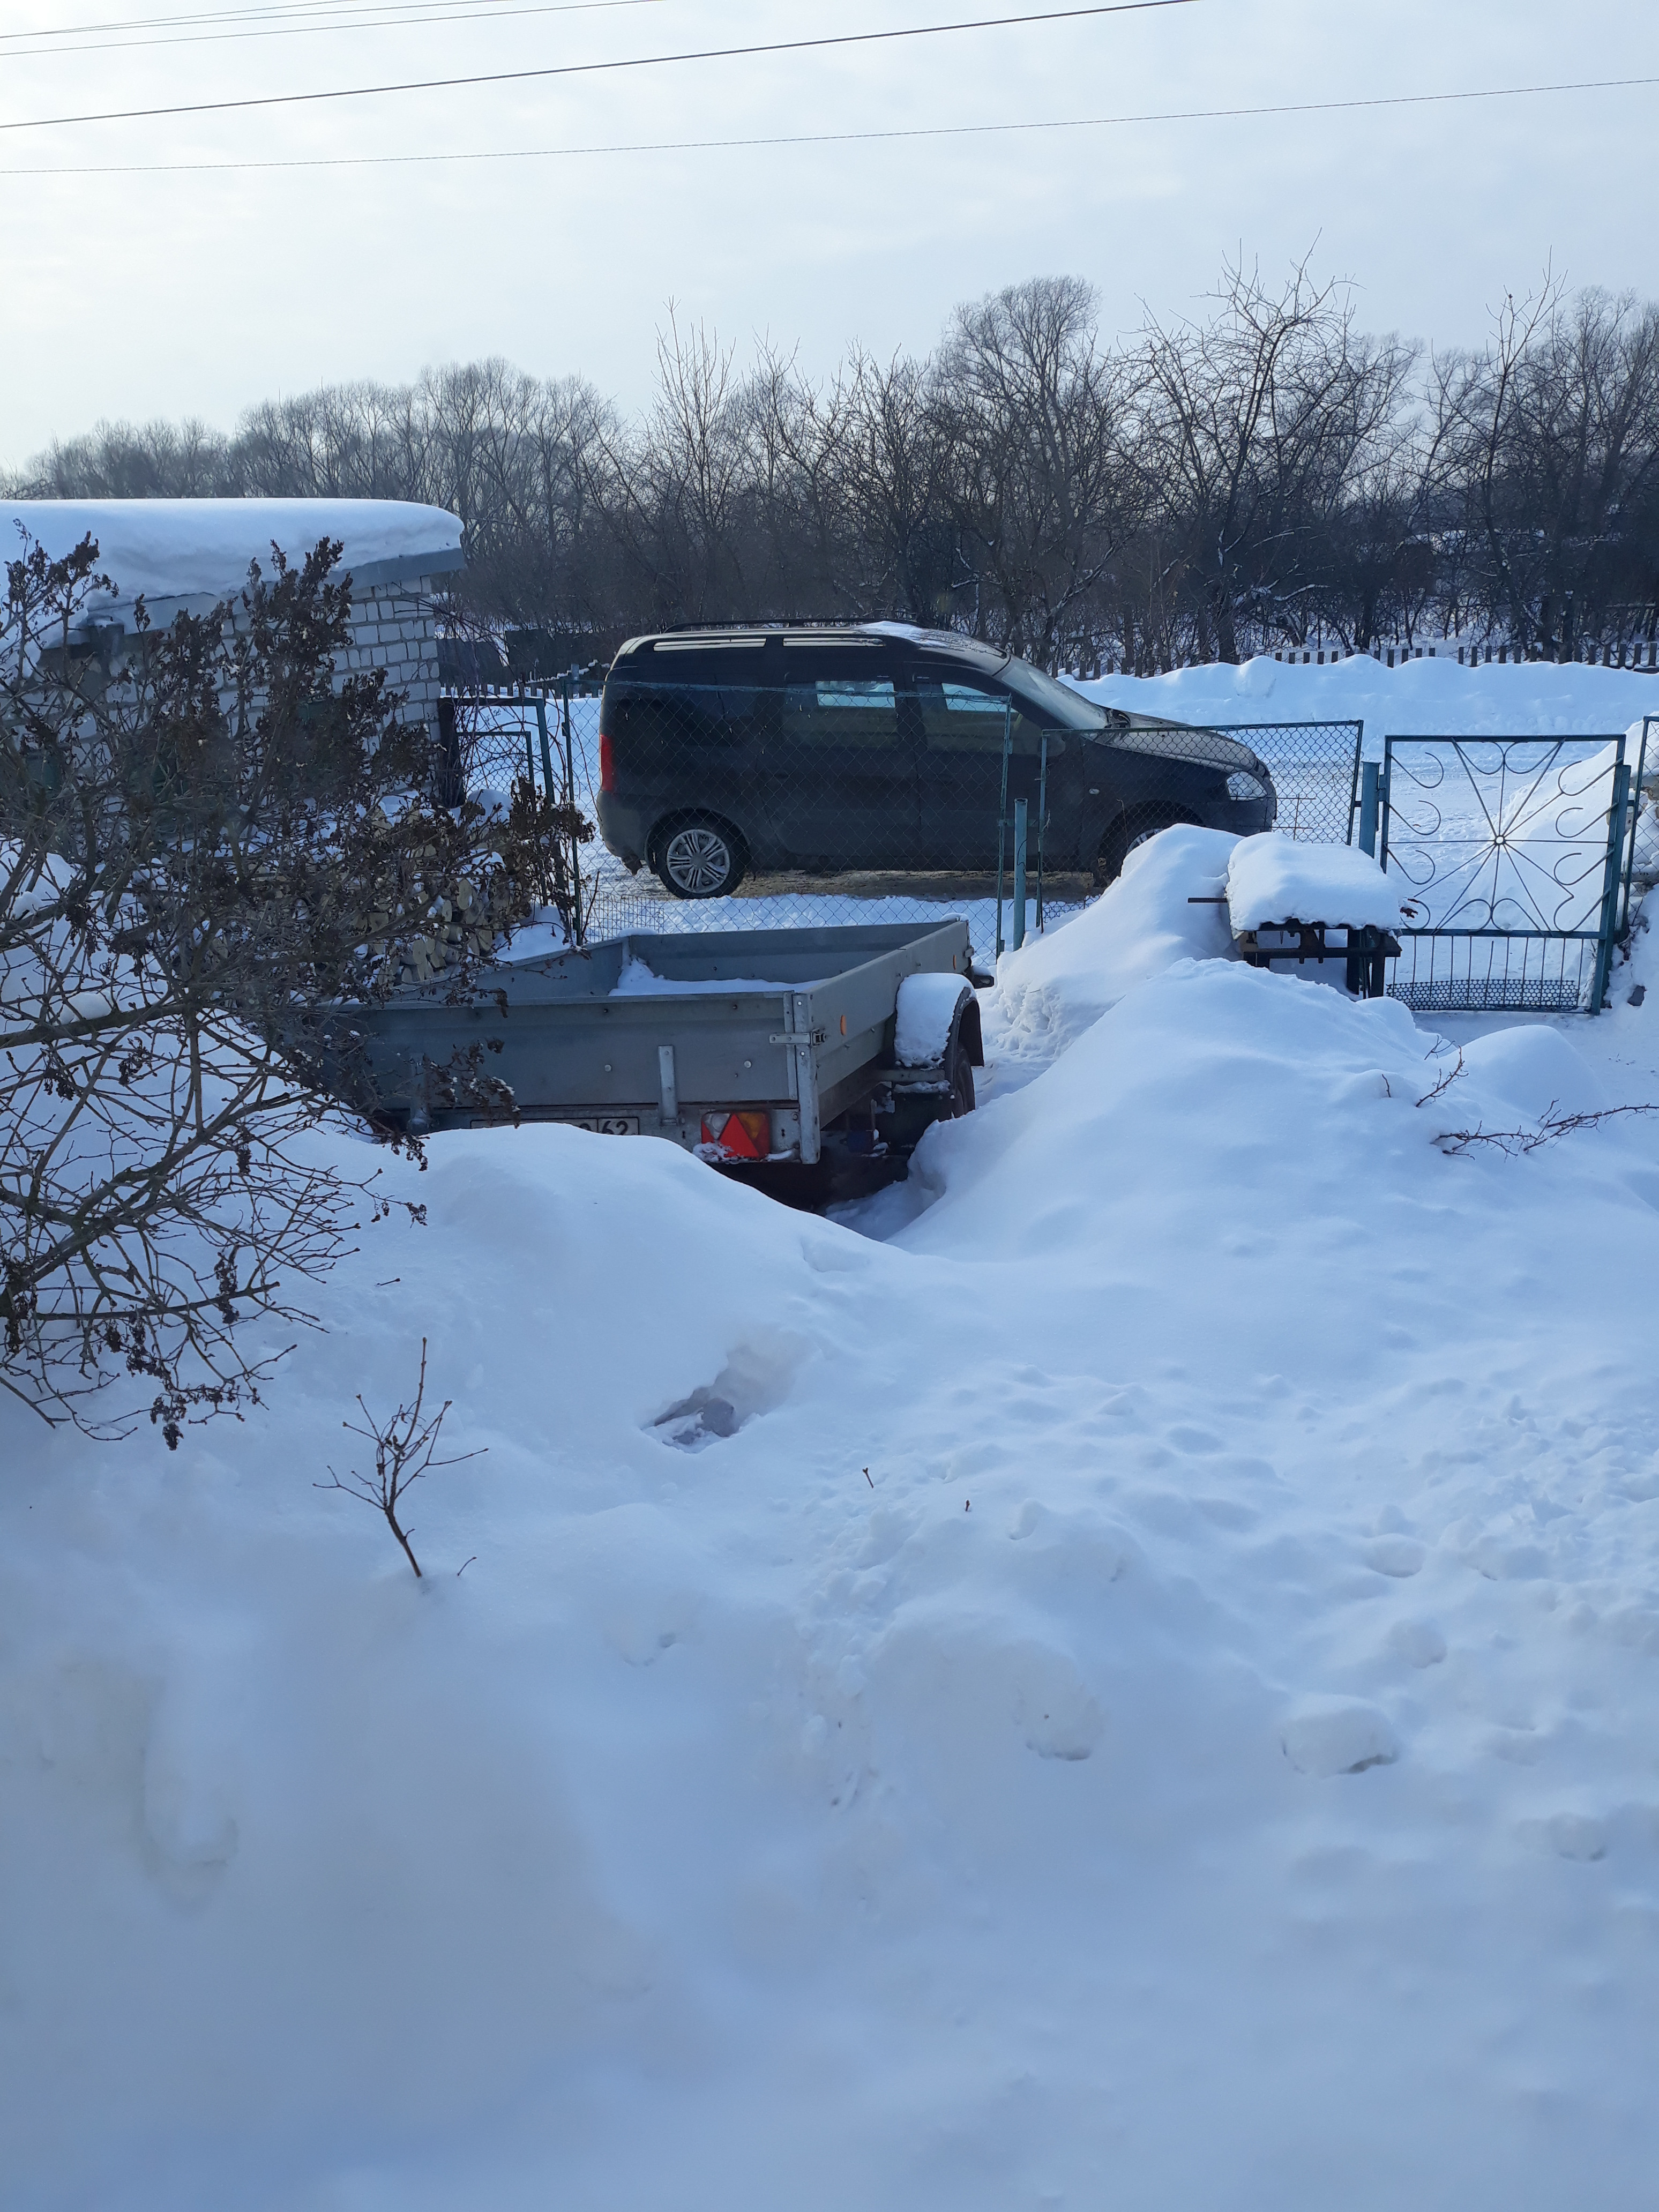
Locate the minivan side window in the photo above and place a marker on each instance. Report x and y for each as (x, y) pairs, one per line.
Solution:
(960, 718)
(841, 710)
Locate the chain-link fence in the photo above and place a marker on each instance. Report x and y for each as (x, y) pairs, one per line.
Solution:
(1316, 773)
(839, 795)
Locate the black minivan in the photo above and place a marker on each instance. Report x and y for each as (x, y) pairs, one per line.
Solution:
(881, 747)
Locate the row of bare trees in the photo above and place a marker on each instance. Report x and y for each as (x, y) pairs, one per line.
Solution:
(1263, 475)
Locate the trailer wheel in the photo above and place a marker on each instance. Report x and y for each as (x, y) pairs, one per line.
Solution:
(959, 1074)
(962, 1055)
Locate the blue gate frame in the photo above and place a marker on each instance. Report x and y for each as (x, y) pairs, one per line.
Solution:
(1518, 852)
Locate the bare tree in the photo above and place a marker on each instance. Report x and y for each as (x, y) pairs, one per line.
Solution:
(1551, 435)
(895, 479)
(1257, 422)
(1047, 493)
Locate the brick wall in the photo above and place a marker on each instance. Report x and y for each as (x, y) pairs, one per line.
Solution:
(394, 627)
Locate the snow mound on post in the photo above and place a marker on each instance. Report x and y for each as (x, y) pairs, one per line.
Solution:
(1272, 879)
(1058, 984)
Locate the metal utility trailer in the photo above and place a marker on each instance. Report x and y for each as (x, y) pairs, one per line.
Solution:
(762, 1048)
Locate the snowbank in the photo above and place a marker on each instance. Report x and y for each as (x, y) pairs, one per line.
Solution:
(1148, 1696)
(1421, 698)
(1271, 878)
(1056, 985)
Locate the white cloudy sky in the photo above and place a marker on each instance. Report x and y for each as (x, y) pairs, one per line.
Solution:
(175, 291)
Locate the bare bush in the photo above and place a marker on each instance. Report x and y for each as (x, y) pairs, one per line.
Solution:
(1520, 1144)
(209, 845)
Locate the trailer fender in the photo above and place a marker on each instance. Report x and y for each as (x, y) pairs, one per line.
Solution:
(934, 1013)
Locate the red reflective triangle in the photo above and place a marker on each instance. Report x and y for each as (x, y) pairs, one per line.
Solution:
(738, 1142)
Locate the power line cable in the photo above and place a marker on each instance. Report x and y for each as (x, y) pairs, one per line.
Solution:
(208, 16)
(384, 17)
(595, 69)
(845, 137)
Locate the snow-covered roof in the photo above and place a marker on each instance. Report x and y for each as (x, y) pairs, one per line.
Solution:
(193, 552)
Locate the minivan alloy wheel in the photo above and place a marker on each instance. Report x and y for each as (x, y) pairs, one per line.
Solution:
(701, 860)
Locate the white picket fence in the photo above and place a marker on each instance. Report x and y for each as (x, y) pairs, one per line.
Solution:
(1641, 656)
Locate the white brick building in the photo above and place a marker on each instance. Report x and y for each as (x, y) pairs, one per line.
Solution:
(187, 555)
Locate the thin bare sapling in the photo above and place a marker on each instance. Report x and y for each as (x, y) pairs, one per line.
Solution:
(404, 1450)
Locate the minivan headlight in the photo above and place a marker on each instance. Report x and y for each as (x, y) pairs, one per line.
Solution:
(1242, 787)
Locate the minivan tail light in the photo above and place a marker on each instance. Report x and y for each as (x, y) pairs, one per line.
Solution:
(607, 762)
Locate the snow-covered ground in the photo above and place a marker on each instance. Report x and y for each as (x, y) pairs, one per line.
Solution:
(1157, 1701)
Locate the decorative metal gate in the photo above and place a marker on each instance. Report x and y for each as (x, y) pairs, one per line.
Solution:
(1517, 853)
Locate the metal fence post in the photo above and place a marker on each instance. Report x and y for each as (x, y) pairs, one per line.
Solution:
(1610, 891)
(1020, 831)
(1042, 818)
(1370, 784)
(1353, 782)
(547, 751)
(577, 914)
(1002, 811)
(1382, 803)
(1648, 721)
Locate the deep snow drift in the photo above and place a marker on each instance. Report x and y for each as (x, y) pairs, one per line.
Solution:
(1209, 1759)
(1421, 698)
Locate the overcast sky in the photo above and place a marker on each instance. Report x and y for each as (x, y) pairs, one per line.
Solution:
(181, 291)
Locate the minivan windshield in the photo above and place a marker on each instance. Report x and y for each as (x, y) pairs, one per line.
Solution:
(1055, 702)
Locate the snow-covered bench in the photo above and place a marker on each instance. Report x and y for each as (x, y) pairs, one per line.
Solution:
(1295, 904)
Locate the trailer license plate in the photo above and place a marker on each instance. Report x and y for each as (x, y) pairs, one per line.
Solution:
(609, 1125)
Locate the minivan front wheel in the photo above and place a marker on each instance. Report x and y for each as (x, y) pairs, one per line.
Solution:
(1134, 826)
(700, 857)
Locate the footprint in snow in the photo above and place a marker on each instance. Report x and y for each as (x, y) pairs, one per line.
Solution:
(1570, 1835)
(1337, 1735)
(697, 1420)
(1395, 1555)
(1418, 1642)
